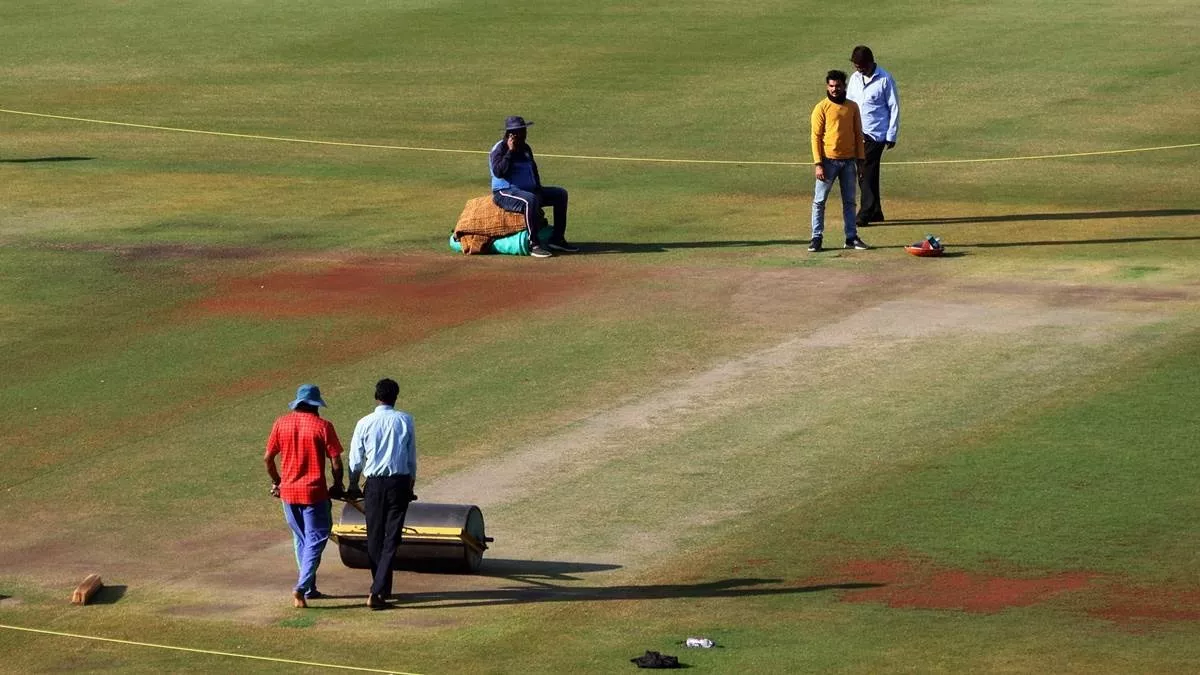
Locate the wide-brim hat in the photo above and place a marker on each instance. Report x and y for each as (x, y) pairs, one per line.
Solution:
(516, 122)
(310, 394)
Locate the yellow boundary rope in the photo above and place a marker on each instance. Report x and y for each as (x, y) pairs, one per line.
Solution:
(205, 651)
(285, 139)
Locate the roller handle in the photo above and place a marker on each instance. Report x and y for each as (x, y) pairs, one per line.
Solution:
(354, 498)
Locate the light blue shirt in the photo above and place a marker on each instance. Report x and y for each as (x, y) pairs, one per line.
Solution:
(383, 445)
(878, 102)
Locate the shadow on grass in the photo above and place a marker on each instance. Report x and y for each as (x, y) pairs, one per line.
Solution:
(595, 247)
(1071, 242)
(540, 571)
(108, 595)
(1017, 244)
(725, 588)
(31, 160)
(1022, 217)
(539, 575)
(600, 247)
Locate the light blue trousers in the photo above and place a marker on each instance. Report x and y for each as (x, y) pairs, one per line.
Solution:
(845, 172)
(310, 531)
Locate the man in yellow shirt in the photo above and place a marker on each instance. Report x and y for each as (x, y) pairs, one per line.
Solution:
(838, 154)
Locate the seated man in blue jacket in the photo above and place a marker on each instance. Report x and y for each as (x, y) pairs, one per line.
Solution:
(516, 187)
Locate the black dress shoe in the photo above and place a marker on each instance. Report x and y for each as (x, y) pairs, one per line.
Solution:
(376, 602)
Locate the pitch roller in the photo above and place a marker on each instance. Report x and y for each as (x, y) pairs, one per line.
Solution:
(436, 537)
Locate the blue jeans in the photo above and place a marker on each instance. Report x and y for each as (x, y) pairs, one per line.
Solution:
(310, 531)
(845, 172)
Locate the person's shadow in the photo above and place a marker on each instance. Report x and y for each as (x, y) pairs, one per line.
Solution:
(1027, 217)
(31, 160)
(594, 247)
(541, 582)
(546, 592)
(603, 247)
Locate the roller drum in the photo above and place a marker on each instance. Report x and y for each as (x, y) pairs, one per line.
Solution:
(436, 537)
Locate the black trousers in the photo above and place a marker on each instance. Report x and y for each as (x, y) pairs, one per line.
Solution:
(870, 207)
(530, 205)
(386, 500)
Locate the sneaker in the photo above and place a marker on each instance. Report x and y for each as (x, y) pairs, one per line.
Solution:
(857, 243)
(314, 594)
(539, 252)
(562, 245)
(815, 246)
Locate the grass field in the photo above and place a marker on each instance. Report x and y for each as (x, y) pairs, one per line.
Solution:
(856, 461)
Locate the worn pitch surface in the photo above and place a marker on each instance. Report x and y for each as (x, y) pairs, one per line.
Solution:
(838, 369)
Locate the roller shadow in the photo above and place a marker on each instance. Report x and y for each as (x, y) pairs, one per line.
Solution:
(725, 588)
(540, 571)
(31, 160)
(1026, 217)
(108, 595)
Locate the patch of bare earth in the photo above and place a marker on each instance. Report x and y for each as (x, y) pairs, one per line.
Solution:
(913, 582)
(425, 292)
(907, 584)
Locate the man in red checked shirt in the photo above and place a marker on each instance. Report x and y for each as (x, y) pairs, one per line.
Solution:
(303, 440)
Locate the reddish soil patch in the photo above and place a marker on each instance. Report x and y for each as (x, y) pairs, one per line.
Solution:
(372, 302)
(1136, 607)
(916, 585)
(431, 293)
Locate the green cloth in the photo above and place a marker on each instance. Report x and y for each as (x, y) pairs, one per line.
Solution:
(513, 244)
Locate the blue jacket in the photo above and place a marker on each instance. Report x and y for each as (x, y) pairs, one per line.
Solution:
(513, 169)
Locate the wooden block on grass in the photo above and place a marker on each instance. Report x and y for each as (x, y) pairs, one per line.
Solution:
(88, 588)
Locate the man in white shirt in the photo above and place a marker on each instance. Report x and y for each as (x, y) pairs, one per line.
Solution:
(874, 90)
(384, 451)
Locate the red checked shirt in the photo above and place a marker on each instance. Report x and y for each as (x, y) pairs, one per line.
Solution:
(303, 440)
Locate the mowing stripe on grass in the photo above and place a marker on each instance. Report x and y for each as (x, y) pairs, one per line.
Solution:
(660, 160)
(204, 651)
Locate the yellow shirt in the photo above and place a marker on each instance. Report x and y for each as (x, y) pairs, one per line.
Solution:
(837, 131)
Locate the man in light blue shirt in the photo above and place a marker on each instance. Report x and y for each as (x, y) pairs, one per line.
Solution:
(384, 451)
(874, 90)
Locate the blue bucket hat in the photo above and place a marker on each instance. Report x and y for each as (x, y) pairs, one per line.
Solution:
(516, 122)
(308, 393)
